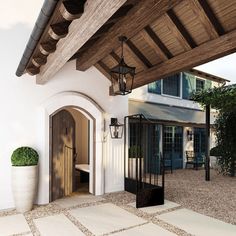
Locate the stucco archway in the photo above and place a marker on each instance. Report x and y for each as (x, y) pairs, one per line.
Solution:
(93, 112)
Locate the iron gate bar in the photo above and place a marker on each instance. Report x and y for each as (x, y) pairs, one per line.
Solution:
(144, 183)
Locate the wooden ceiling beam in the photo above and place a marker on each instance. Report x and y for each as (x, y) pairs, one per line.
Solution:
(141, 15)
(138, 55)
(32, 70)
(96, 13)
(207, 18)
(204, 53)
(156, 44)
(48, 47)
(39, 61)
(71, 10)
(179, 31)
(115, 57)
(59, 30)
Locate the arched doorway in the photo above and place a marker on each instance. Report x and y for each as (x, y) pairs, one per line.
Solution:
(95, 114)
(63, 151)
(70, 153)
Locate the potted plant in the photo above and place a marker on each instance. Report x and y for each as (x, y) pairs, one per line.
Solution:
(24, 177)
(135, 151)
(215, 153)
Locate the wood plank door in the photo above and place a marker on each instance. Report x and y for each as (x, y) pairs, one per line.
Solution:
(63, 155)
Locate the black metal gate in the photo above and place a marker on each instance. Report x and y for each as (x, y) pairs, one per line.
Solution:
(144, 172)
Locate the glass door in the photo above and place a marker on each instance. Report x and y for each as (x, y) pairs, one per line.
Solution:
(173, 146)
(199, 142)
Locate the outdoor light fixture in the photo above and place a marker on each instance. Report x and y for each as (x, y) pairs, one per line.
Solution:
(189, 135)
(116, 129)
(122, 75)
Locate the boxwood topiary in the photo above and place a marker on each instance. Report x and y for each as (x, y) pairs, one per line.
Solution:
(24, 156)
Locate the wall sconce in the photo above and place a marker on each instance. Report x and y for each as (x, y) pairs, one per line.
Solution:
(189, 135)
(116, 129)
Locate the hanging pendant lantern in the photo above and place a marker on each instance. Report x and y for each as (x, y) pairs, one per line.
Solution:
(122, 75)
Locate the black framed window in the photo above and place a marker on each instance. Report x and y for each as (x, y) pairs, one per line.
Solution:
(200, 84)
(171, 85)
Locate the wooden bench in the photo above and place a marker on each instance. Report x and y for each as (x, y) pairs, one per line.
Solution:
(194, 160)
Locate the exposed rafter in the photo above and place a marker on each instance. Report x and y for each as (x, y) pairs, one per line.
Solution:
(207, 18)
(206, 52)
(96, 13)
(179, 31)
(138, 55)
(141, 15)
(156, 44)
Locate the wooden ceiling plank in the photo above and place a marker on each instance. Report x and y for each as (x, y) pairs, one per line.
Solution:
(115, 57)
(207, 18)
(95, 15)
(179, 31)
(141, 15)
(206, 52)
(155, 43)
(138, 55)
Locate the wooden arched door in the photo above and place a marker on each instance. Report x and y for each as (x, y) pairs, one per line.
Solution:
(62, 155)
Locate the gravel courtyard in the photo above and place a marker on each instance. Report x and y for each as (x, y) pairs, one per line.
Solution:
(216, 198)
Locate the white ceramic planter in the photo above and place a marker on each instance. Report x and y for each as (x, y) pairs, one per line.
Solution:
(24, 186)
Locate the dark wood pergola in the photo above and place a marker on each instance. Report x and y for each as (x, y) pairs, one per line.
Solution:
(164, 37)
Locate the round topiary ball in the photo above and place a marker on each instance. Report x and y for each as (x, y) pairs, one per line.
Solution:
(24, 156)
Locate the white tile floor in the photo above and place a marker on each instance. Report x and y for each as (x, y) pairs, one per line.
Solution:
(58, 225)
(154, 209)
(198, 224)
(13, 224)
(145, 230)
(105, 218)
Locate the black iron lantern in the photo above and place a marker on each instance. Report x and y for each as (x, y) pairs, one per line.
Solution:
(122, 75)
(116, 129)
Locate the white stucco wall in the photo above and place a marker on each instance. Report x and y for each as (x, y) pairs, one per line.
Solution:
(21, 121)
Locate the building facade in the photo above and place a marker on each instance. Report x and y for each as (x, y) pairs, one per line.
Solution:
(181, 121)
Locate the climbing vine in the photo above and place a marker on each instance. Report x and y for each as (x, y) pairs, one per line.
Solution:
(224, 100)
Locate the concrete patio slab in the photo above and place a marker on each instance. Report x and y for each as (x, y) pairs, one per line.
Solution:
(154, 209)
(14, 224)
(105, 218)
(198, 224)
(58, 225)
(144, 230)
(77, 199)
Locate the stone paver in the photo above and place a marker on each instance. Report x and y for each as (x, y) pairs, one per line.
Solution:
(105, 218)
(58, 225)
(154, 209)
(198, 224)
(77, 200)
(13, 224)
(145, 230)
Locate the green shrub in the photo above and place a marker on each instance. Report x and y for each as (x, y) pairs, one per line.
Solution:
(24, 156)
(216, 151)
(135, 151)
